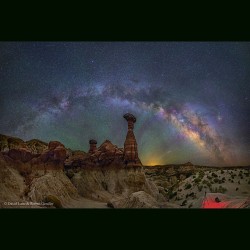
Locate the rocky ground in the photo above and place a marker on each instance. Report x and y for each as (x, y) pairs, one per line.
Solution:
(187, 186)
(36, 174)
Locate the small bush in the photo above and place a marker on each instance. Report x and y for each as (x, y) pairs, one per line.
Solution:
(70, 173)
(216, 180)
(222, 172)
(188, 186)
(192, 195)
(222, 189)
(204, 182)
(214, 175)
(200, 188)
(197, 180)
(172, 195)
(110, 205)
(184, 203)
(236, 189)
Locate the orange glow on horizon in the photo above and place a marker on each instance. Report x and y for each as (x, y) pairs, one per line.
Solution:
(152, 163)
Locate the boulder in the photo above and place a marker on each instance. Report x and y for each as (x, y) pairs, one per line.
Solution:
(74, 159)
(105, 154)
(138, 199)
(54, 144)
(22, 154)
(36, 146)
(56, 152)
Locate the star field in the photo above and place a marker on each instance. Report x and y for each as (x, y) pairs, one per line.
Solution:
(191, 99)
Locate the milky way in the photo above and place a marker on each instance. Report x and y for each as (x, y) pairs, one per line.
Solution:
(191, 100)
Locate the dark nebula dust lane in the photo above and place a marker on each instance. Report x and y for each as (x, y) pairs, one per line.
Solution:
(191, 99)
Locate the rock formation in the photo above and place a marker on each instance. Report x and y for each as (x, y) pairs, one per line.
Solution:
(34, 146)
(130, 144)
(75, 159)
(140, 199)
(92, 146)
(33, 171)
(107, 154)
(111, 184)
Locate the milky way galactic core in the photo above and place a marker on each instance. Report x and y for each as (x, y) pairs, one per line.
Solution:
(191, 99)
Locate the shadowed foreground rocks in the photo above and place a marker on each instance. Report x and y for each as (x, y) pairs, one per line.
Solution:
(43, 172)
(105, 184)
(48, 175)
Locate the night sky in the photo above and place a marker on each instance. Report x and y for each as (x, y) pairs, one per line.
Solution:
(191, 99)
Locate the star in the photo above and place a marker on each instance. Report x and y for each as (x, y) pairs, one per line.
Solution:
(189, 98)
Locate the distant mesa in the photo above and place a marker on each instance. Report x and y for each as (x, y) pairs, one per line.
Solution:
(188, 164)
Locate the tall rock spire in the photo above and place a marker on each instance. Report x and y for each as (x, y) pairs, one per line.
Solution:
(92, 146)
(130, 144)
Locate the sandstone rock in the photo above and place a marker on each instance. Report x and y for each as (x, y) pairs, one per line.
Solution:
(56, 152)
(21, 154)
(53, 183)
(60, 153)
(138, 199)
(36, 146)
(12, 184)
(105, 155)
(130, 144)
(8, 142)
(104, 183)
(54, 144)
(75, 159)
(92, 144)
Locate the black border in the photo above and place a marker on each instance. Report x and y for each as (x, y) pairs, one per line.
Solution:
(125, 28)
(145, 225)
